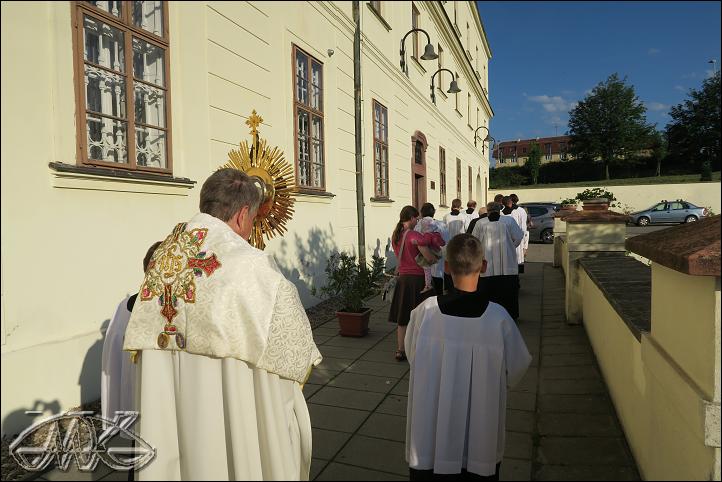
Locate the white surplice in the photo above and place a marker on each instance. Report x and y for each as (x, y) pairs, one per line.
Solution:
(455, 223)
(460, 371)
(519, 215)
(226, 402)
(118, 373)
(499, 239)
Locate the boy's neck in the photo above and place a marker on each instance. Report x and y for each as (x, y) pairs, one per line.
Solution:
(466, 283)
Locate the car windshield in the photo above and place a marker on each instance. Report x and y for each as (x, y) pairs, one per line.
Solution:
(657, 207)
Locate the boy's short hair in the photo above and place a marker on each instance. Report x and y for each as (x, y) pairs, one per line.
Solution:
(494, 207)
(498, 198)
(427, 210)
(464, 254)
(514, 198)
(471, 204)
(456, 204)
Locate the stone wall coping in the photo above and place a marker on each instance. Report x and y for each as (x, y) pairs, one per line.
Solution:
(691, 248)
(596, 217)
(627, 285)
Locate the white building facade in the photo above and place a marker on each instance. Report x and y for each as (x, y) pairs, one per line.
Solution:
(114, 113)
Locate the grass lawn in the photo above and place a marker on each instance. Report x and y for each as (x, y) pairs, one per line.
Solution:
(620, 182)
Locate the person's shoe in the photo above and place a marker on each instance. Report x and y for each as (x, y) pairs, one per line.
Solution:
(400, 355)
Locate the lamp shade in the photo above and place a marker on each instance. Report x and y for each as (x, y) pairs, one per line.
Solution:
(429, 53)
(453, 88)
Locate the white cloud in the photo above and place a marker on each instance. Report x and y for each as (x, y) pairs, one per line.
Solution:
(692, 75)
(709, 73)
(680, 88)
(553, 103)
(657, 106)
(653, 51)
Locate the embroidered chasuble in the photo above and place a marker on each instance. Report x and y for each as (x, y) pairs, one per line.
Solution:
(225, 345)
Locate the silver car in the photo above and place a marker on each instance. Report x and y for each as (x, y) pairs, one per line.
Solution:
(678, 211)
(541, 220)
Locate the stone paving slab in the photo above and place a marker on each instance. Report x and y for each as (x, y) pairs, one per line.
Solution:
(594, 451)
(363, 367)
(575, 404)
(393, 405)
(327, 443)
(567, 360)
(368, 383)
(515, 469)
(375, 453)
(521, 401)
(570, 373)
(572, 387)
(520, 421)
(381, 425)
(519, 445)
(342, 397)
(585, 472)
(578, 424)
(336, 418)
(336, 471)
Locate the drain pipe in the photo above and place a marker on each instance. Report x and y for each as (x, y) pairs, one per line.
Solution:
(357, 130)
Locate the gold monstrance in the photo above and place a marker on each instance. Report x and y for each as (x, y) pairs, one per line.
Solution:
(275, 180)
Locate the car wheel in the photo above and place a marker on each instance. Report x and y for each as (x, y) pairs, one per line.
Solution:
(643, 221)
(547, 236)
(690, 219)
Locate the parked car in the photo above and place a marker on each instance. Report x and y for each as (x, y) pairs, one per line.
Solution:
(541, 220)
(678, 211)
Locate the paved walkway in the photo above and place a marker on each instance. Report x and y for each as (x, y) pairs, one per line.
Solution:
(561, 424)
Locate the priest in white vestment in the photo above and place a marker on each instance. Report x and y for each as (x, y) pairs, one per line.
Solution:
(224, 346)
(464, 352)
(519, 215)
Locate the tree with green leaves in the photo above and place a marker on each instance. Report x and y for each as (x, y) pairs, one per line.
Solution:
(533, 162)
(609, 124)
(693, 133)
(658, 144)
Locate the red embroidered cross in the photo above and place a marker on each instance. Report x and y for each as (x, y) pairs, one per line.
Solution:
(209, 265)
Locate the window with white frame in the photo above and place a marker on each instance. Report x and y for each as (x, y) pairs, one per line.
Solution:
(381, 150)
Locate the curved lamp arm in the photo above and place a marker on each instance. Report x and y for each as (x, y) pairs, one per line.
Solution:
(433, 94)
(403, 50)
(488, 134)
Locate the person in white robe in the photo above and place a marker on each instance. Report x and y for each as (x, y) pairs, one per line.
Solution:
(521, 217)
(456, 219)
(464, 352)
(500, 236)
(118, 373)
(224, 346)
(470, 213)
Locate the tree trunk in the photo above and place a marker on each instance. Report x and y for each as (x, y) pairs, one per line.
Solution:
(606, 169)
(658, 173)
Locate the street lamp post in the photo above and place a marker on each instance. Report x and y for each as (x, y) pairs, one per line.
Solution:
(714, 65)
(453, 86)
(429, 53)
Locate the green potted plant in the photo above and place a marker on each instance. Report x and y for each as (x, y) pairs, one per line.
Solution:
(353, 283)
(569, 204)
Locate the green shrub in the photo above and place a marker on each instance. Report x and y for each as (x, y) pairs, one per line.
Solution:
(351, 281)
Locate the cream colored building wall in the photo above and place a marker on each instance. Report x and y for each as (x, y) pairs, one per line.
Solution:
(662, 386)
(72, 245)
(637, 197)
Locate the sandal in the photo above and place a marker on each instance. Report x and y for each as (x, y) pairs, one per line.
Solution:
(400, 355)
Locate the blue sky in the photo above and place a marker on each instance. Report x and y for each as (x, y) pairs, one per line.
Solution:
(546, 56)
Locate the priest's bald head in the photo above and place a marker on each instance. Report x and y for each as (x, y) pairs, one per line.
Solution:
(233, 197)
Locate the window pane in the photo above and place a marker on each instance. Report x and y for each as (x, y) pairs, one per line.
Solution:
(150, 147)
(301, 80)
(304, 156)
(104, 91)
(107, 139)
(149, 16)
(103, 44)
(111, 7)
(149, 105)
(148, 62)
(317, 86)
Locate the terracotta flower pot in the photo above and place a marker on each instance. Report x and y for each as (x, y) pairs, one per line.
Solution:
(599, 204)
(353, 324)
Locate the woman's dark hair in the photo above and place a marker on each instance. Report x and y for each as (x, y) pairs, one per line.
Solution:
(406, 214)
(428, 210)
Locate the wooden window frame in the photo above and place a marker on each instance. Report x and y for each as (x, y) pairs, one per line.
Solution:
(458, 178)
(384, 144)
(125, 24)
(415, 17)
(442, 176)
(471, 183)
(311, 112)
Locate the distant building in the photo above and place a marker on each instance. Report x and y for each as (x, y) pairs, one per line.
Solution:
(516, 153)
